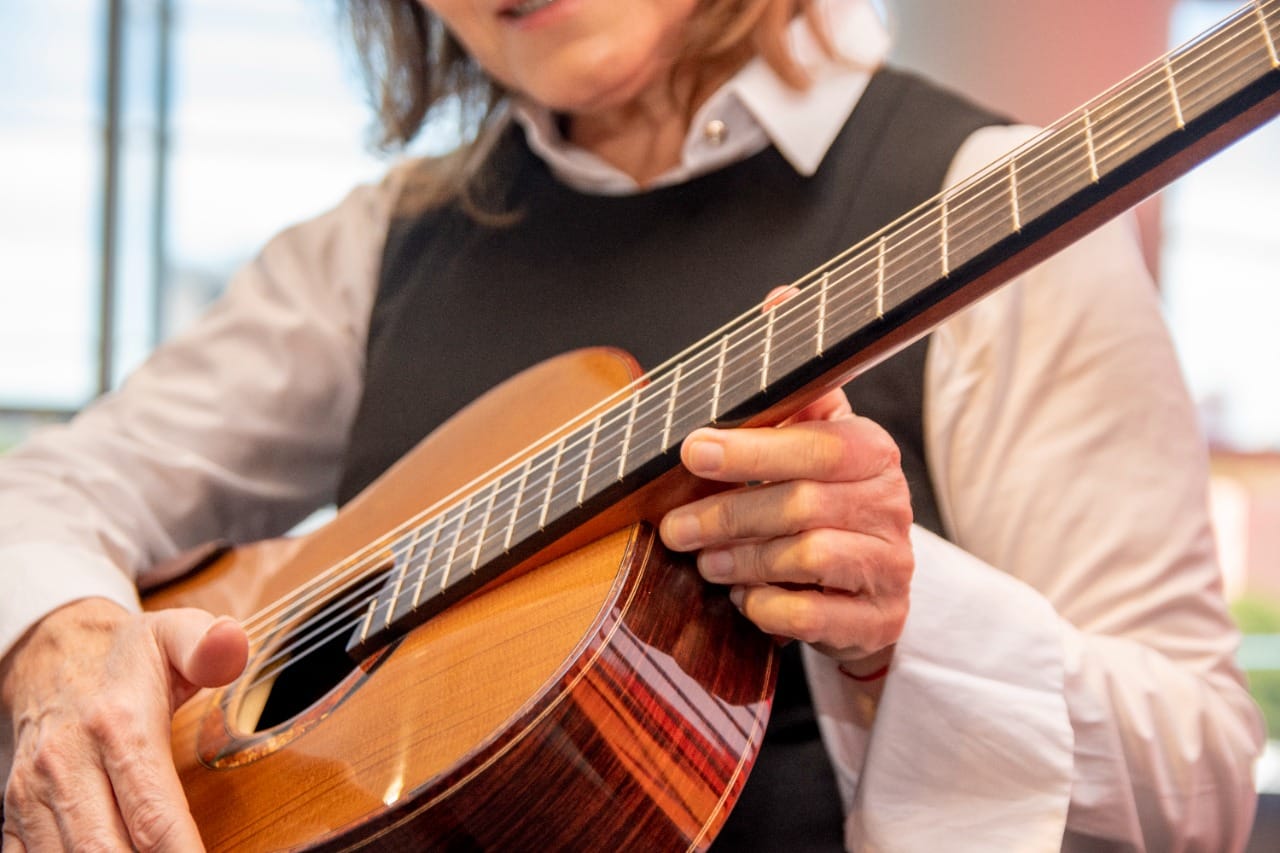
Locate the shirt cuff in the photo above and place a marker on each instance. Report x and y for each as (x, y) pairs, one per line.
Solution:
(971, 745)
(39, 578)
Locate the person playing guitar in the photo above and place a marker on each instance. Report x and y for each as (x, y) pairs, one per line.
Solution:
(987, 560)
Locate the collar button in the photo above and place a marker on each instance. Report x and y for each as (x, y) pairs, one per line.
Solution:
(715, 131)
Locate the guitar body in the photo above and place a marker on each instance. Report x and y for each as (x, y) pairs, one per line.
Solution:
(604, 699)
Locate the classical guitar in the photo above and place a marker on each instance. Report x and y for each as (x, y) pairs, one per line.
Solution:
(488, 648)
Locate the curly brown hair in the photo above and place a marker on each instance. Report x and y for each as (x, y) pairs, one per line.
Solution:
(412, 64)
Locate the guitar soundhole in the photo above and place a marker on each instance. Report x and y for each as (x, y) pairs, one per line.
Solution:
(305, 679)
(310, 659)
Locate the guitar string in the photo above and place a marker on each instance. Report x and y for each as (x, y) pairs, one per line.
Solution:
(320, 627)
(1072, 119)
(466, 530)
(479, 544)
(959, 214)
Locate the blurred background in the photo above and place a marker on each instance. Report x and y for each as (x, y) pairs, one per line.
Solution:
(149, 147)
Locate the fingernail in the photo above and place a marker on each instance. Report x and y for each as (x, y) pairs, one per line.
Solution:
(705, 456)
(736, 594)
(715, 565)
(681, 532)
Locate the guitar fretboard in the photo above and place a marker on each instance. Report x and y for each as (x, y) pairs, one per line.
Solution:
(1191, 101)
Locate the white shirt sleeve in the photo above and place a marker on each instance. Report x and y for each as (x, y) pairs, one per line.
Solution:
(1084, 689)
(235, 429)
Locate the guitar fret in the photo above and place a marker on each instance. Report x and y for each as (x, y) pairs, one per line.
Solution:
(1013, 194)
(403, 559)
(368, 619)
(1088, 142)
(484, 525)
(671, 407)
(626, 436)
(768, 347)
(1221, 74)
(586, 465)
(546, 501)
(880, 278)
(719, 380)
(1266, 33)
(515, 504)
(945, 240)
(457, 540)
(1173, 94)
(426, 565)
(822, 310)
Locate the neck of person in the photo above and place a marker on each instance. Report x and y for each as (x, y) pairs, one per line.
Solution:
(644, 137)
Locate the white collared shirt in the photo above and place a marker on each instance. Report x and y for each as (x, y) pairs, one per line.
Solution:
(1066, 672)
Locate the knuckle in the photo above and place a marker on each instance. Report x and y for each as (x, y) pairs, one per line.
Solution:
(752, 564)
(18, 797)
(802, 504)
(882, 447)
(151, 825)
(894, 622)
(727, 518)
(52, 757)
(113, 724)
(891, 516)
(805, 619)
(816, 554)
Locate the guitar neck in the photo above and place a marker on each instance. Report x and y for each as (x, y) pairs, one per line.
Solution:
(852, 312)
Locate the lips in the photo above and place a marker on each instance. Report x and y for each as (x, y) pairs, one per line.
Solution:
(524, 8)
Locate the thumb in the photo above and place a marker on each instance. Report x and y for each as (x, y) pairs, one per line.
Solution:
(203, 651)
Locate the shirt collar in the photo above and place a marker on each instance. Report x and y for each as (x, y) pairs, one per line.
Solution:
(753, 109)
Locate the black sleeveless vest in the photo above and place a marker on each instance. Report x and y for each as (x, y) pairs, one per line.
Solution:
(462, 306)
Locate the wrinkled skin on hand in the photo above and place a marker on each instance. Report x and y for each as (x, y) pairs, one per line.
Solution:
(90, 692)
(819, 550)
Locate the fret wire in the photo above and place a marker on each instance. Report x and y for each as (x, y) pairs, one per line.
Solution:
(822, 310)
(426, 563)
(586, 465)
(515, 504)
(551, 483)
(715, 391)
(630, 425)
(768, 347)
(945, 248)
(1173, 94)
(1266, 33)
(400, 575)
(671, 407)
(1013, 193)
(453, 548)
(368, 619)
(880, 277)
(626, 439)
(1093, 154)
(484, 525)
